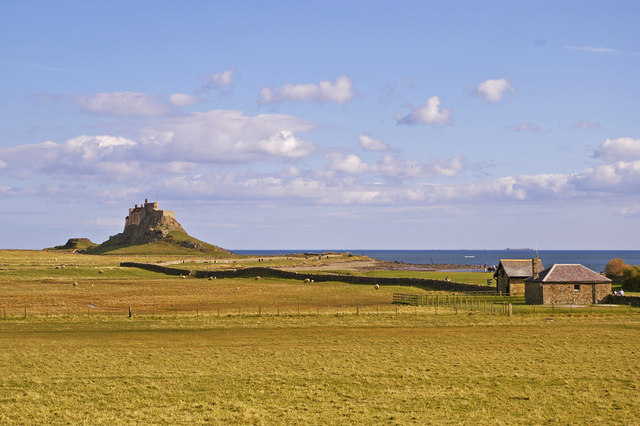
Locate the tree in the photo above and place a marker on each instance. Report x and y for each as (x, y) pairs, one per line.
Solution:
(631, 278)
(615, 268)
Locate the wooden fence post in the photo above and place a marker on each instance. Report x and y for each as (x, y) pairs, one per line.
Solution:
(510, 309)
(129, 311)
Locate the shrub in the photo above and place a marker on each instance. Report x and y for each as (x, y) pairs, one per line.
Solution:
(615, 268)
(631, 278)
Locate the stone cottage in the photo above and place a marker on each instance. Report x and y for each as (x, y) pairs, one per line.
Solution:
(511, 273)
(566, 284)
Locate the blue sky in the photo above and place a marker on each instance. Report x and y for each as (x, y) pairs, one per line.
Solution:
(276, 125)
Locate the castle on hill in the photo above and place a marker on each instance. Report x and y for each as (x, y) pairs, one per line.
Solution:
(146, 223)
(137, 213)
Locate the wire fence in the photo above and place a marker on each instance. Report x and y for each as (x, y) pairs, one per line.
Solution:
(509, 305)
(404, 304)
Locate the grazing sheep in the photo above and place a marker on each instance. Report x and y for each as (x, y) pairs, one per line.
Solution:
(307, 280)
(210, 278)
(257, 278)
(75, 284)
(377, 286)
(101, 271)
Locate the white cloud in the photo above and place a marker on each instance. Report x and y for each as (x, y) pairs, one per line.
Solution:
(447, 167)
(171, 146)
(619, 149)
(584, 124)
(123, 104)
(619, 177)
(182, 100)
(429, 113)
(370, 144)
(217, 80)
(80, 155)
(632, 212)
(350, 164)
(224, 78)
(226, 136)
(340, 91)
(493, 90)
(524, 127)
(592, 49)
(285, 144)
(391, 166)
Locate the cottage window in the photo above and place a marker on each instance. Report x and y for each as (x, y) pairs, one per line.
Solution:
(576, 287)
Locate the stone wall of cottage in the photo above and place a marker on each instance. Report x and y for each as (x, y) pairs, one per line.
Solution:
(506, 285)
(516, 286)
(557, 294)
(533, 293)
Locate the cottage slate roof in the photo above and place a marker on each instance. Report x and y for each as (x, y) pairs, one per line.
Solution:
(569, 273)
(519, 268)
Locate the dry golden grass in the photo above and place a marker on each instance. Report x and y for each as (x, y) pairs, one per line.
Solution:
(331, 370)
(414, 366)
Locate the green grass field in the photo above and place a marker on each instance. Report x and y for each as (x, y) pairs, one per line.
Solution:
(199, 351)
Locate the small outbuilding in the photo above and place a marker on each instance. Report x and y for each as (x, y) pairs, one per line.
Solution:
(511, 273)
(566, 284)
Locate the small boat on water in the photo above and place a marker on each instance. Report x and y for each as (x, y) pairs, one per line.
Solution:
(469, 257)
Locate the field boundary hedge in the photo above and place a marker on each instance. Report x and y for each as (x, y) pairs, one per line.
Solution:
(350, 279)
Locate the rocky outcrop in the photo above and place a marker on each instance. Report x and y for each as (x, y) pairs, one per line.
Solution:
(154, 225)
(147, 226)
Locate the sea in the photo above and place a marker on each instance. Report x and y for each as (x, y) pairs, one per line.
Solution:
(592, 259)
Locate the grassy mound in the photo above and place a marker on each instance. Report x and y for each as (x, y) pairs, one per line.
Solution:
(79, 244)
(175, 243)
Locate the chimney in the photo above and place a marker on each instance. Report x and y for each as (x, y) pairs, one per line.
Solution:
(534, 269)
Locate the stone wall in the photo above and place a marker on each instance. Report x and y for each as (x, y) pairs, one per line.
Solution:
(533, 293)
(511, 286)
(502, 282)
(622, 300)
(516, 286)
(554, 294)
(156, 268)
(277, 273)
